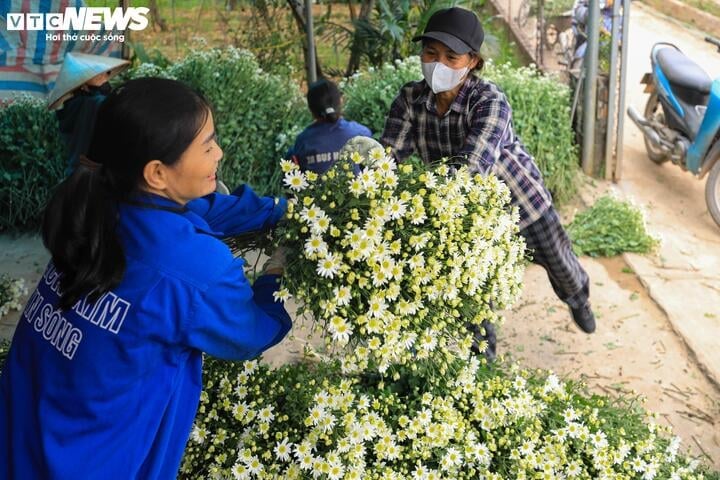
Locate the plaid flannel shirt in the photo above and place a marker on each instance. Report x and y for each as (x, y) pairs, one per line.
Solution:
(476, 130)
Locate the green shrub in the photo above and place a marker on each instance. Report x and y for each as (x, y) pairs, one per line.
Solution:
(257, 114)
(557, 7)
(541, 117)
(541, 112)
(32, 161)
(610, 227)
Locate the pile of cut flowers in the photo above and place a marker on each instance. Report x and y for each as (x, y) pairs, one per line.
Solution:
(393, 266)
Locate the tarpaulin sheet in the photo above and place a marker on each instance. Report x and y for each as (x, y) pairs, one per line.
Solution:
(29, 62)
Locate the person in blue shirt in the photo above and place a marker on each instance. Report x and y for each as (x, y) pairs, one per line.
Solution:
(317, 148)
(104, 373)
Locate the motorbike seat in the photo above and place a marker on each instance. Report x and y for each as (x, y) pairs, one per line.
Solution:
(682, 71)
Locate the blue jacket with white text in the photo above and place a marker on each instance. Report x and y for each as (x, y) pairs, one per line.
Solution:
(109, 389)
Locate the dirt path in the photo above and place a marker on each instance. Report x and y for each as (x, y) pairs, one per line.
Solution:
(683, 277)
(634, 350)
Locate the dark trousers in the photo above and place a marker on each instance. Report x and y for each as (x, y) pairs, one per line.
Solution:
(549, 246)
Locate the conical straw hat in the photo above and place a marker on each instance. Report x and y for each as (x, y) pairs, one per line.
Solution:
(78, 68)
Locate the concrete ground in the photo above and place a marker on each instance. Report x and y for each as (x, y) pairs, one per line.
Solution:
(684, 276)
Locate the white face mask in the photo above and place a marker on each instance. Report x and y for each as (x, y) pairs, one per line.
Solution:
(442, 78)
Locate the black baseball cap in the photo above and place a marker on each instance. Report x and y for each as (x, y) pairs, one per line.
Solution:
(456, 27)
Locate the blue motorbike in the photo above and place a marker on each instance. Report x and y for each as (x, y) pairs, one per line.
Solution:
(682, 117)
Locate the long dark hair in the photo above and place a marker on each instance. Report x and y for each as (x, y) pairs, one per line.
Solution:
(323, 99)
(142, 120)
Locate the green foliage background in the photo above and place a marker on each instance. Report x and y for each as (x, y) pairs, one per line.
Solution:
(32, 160)
(257, 117)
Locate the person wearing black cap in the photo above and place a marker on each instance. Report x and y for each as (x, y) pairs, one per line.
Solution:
(317, 148)
(454, 114)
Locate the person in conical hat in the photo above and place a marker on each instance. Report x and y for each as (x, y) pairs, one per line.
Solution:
(80, 88)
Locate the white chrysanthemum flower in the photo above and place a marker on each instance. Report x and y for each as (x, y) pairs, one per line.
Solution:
(376, 307)
(365, 247)
(282, 295)
(340, 330)
(451, 460)
(343, 295)
(421, 472)
(240, 472)
(379, 278)
(317, 413)
(320, 225)
(254, 465)
(673, 447)
(391, 180)
(288, 166)
(336, 472)
(311, 214)
(295, 181)
(397, 208)
(355, 185)
(240, 410)
(552, 384)
(377, 155)
(329, 266)
(417, 215)
(570, 415)
(199, 434)
(306, 462)
(599, 440)
(574, 469)
(315, 245)
(430, 180)
(266, 415)
(368, 180)
(283, 450)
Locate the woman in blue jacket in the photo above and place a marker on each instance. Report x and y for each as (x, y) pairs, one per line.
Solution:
(104, 373)
(317, 148)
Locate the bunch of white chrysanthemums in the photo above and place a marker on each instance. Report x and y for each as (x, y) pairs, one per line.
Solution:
(316, 423)
(397, 261)
(11, 291)
(393, 263)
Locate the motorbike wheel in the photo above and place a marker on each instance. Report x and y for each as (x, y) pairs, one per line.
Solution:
(653, 112)
(712, 193)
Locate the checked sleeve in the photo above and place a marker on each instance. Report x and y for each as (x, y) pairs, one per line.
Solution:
(489, 125)
(397, 133)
